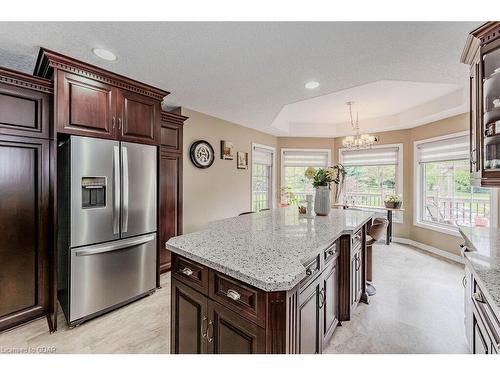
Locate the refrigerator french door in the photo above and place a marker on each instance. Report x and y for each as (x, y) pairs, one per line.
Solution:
(107, 225)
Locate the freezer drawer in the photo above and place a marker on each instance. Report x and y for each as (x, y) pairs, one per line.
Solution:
(108, 274)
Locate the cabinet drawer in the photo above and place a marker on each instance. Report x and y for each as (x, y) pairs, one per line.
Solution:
(244, 299)
(191, 273)
(330, 253)
(312, 270)
(357, 239)
(486, 314)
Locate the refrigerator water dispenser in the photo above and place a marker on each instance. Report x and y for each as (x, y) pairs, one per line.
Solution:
(93, 192)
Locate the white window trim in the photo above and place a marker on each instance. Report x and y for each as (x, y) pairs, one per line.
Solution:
(399, 171)
(282, 153)
(273, 174)
(417, 193)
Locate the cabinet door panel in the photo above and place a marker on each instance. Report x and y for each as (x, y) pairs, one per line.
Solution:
(188, 319)
(24, 112)
(170, 203)
(24, 215)
(139, 118)
(330, 309)
(84, 106)
(309, 329)
(229, 333)
(481, 341)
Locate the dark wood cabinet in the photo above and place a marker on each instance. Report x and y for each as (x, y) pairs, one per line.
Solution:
(26, 212)
(482, 54)
(170, 183)
(93, 102)
(138, 117)
(23, 111)
(331, 299)
(85, 106)
(229, 333)
(190, 318)
(309, 318)
(356, 278)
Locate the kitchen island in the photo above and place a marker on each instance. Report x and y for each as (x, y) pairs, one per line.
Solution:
(270, 282)
(481, 252)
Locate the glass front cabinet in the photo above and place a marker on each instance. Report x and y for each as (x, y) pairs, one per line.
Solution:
(482, 54)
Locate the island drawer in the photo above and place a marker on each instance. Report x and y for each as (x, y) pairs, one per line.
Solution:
(486, 314)
(313, 269)
(244, 299)
(357, 239)
(191, 273)
(330, 253)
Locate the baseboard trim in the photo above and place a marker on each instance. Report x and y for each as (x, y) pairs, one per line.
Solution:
(430, 249)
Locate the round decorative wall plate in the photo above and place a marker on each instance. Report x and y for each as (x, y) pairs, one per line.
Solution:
(202, 154)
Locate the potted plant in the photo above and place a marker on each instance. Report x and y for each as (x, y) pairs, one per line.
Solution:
(321, 181)
(393, 201)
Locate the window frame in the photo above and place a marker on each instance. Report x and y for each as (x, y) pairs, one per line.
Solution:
(282, 154)
(419, 188)
(399, 172)
(273, 173)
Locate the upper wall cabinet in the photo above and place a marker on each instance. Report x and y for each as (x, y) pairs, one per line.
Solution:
(24, 104)
(482, 54)
(97, 103)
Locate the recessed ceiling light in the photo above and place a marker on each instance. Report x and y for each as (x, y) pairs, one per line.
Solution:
(104, 54)
(311, 85)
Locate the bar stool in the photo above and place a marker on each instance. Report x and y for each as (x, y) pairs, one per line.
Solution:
(375, 233)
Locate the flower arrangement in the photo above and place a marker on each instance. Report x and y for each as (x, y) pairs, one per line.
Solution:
(325, 176)
(393, 201)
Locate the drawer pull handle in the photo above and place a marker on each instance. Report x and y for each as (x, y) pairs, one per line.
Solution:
(464, 281)
(309, 272)
(233, 294)
(478, 297)
(187, 271)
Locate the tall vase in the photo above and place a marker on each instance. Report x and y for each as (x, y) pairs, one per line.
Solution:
(322, 204)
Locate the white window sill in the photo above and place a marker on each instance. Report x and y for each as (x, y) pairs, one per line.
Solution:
(438, 228)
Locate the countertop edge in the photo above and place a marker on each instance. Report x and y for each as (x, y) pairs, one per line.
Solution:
(267, 287)
(477, 277)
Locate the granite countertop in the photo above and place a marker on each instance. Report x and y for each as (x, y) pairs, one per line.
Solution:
(268, 249)
(484, 259)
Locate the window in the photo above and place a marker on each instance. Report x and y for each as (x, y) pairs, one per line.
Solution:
(372, 175)
(444, 197)
(262, 177)
(294, 162)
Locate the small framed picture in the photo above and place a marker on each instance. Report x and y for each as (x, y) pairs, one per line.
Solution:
(226, 150)
(242, 160)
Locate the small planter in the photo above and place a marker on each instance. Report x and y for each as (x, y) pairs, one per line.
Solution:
(395, 205)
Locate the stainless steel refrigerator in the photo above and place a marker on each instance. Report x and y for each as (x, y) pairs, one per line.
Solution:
(106, 225)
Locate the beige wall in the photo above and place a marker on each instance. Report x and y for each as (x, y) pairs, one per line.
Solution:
(222, 190)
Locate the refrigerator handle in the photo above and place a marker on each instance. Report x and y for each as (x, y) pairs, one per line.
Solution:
(116, 188)
(125, 189)
(115, 245)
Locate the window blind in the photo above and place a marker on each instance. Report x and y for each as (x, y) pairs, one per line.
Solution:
(372, 156)
(305, 159)
(455, 148)
(262, 156)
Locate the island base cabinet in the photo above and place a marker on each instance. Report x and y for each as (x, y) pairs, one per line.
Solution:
(202, 326)
(310, 313)
(189, 319)
(229, 333)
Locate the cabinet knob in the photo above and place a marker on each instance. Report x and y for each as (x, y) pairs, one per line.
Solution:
(309, 272)
(233, 294)
(331, 252)
(187, 271)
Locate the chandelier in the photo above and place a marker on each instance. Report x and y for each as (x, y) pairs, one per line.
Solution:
(358, 141)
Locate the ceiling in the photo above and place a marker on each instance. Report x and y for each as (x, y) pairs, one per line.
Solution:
(399, 74)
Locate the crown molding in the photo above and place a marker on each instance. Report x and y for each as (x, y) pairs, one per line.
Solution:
(28, 81)
(172, 117)
(483, 34)
(48, 60)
